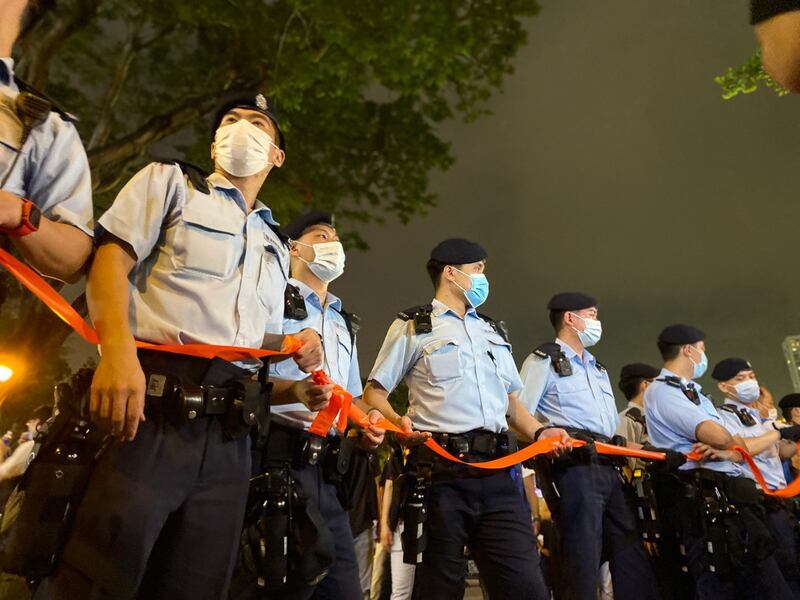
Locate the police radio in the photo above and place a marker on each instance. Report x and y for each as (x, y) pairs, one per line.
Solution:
(294, 304)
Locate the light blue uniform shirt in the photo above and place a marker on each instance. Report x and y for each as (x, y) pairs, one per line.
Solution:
(672, 420)
(583, 400)
(769, 462)
(458, 376)
(52, 171)
(206, 271)
(341, 357)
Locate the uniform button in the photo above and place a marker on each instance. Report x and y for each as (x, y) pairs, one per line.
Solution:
(192, 414)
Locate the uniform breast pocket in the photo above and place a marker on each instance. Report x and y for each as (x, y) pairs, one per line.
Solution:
(497, 351)
(208, 243)
(442, 358)
(573, 384)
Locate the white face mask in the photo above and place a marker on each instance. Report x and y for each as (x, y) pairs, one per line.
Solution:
(328, 261)
(591, 333)
(747, 391)
(242, 149)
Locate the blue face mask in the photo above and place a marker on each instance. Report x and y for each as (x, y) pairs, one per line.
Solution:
(700, 367)
(478, 290)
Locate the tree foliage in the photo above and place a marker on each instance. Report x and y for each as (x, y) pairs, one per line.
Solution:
(361, 88)
(746, 78)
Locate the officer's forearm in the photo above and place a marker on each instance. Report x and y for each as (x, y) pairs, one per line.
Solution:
(108, 296)
(283, 392)
(377, 397)
(715, 435)
(57, 250)
(521, 420)
(757, 445)
(780, 48)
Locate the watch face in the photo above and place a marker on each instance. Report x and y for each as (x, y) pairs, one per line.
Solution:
(34, 216)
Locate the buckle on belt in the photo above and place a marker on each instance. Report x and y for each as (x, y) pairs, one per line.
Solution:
(190, 399)
(315, 447)
(484, 444)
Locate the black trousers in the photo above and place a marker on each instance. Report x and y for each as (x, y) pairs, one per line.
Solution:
(342, 581)
(782, 525)
(161, 518)
(758, 581)
(596, 524)
(162, 515)
(487, 514)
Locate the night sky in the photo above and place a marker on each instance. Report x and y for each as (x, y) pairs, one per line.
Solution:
(612, 165)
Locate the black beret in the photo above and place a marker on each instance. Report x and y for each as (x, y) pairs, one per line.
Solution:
(458, 251)
(790, 401)
(681, 334)
(730, 368)
(302, 222)
(571, 301)
(253, 101)
(638, 371)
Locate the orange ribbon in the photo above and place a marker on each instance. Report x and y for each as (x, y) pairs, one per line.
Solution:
(341, 401)
(322, 424)
(56, 302)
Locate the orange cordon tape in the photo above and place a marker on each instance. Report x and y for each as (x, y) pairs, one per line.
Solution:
(55, 302)
(340, 399)
(340, 405)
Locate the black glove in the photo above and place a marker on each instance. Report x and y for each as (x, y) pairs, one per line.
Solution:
(790, 433)
(673, 458)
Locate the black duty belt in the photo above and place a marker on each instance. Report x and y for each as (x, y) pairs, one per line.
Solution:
(585, 454)
(299, 447)
(168, 399)
(478, 443)
(738, 490)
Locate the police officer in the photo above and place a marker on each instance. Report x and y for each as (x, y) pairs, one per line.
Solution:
(633, 381)
(566, 384)
(317, 259)
(462, 383)
(715, 505)
(737, 381)
(45, 187)
(790, 408)
(184, 257)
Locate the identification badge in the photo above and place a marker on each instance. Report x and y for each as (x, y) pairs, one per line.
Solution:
(156, 385)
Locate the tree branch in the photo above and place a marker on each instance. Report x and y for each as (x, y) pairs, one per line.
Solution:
(44, 44)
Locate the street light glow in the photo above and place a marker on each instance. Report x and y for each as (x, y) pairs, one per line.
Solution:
(5, 373)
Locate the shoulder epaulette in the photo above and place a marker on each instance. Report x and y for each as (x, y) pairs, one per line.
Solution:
(600, 366)
(421, 315)
(24, 86)
(745, 418)
(558, 359)
(634, 413)
(196, 176)
(408, 313)
(498, 326)
(690, 393)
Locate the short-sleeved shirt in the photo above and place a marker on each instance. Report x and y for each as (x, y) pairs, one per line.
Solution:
(761, 10)
(459, 375)
(340, 358)
(769, 461)
(207, 271)
(672, 419)
(584, 399)
(52, 170)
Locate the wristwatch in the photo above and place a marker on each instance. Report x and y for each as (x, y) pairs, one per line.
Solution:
(31, 217)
